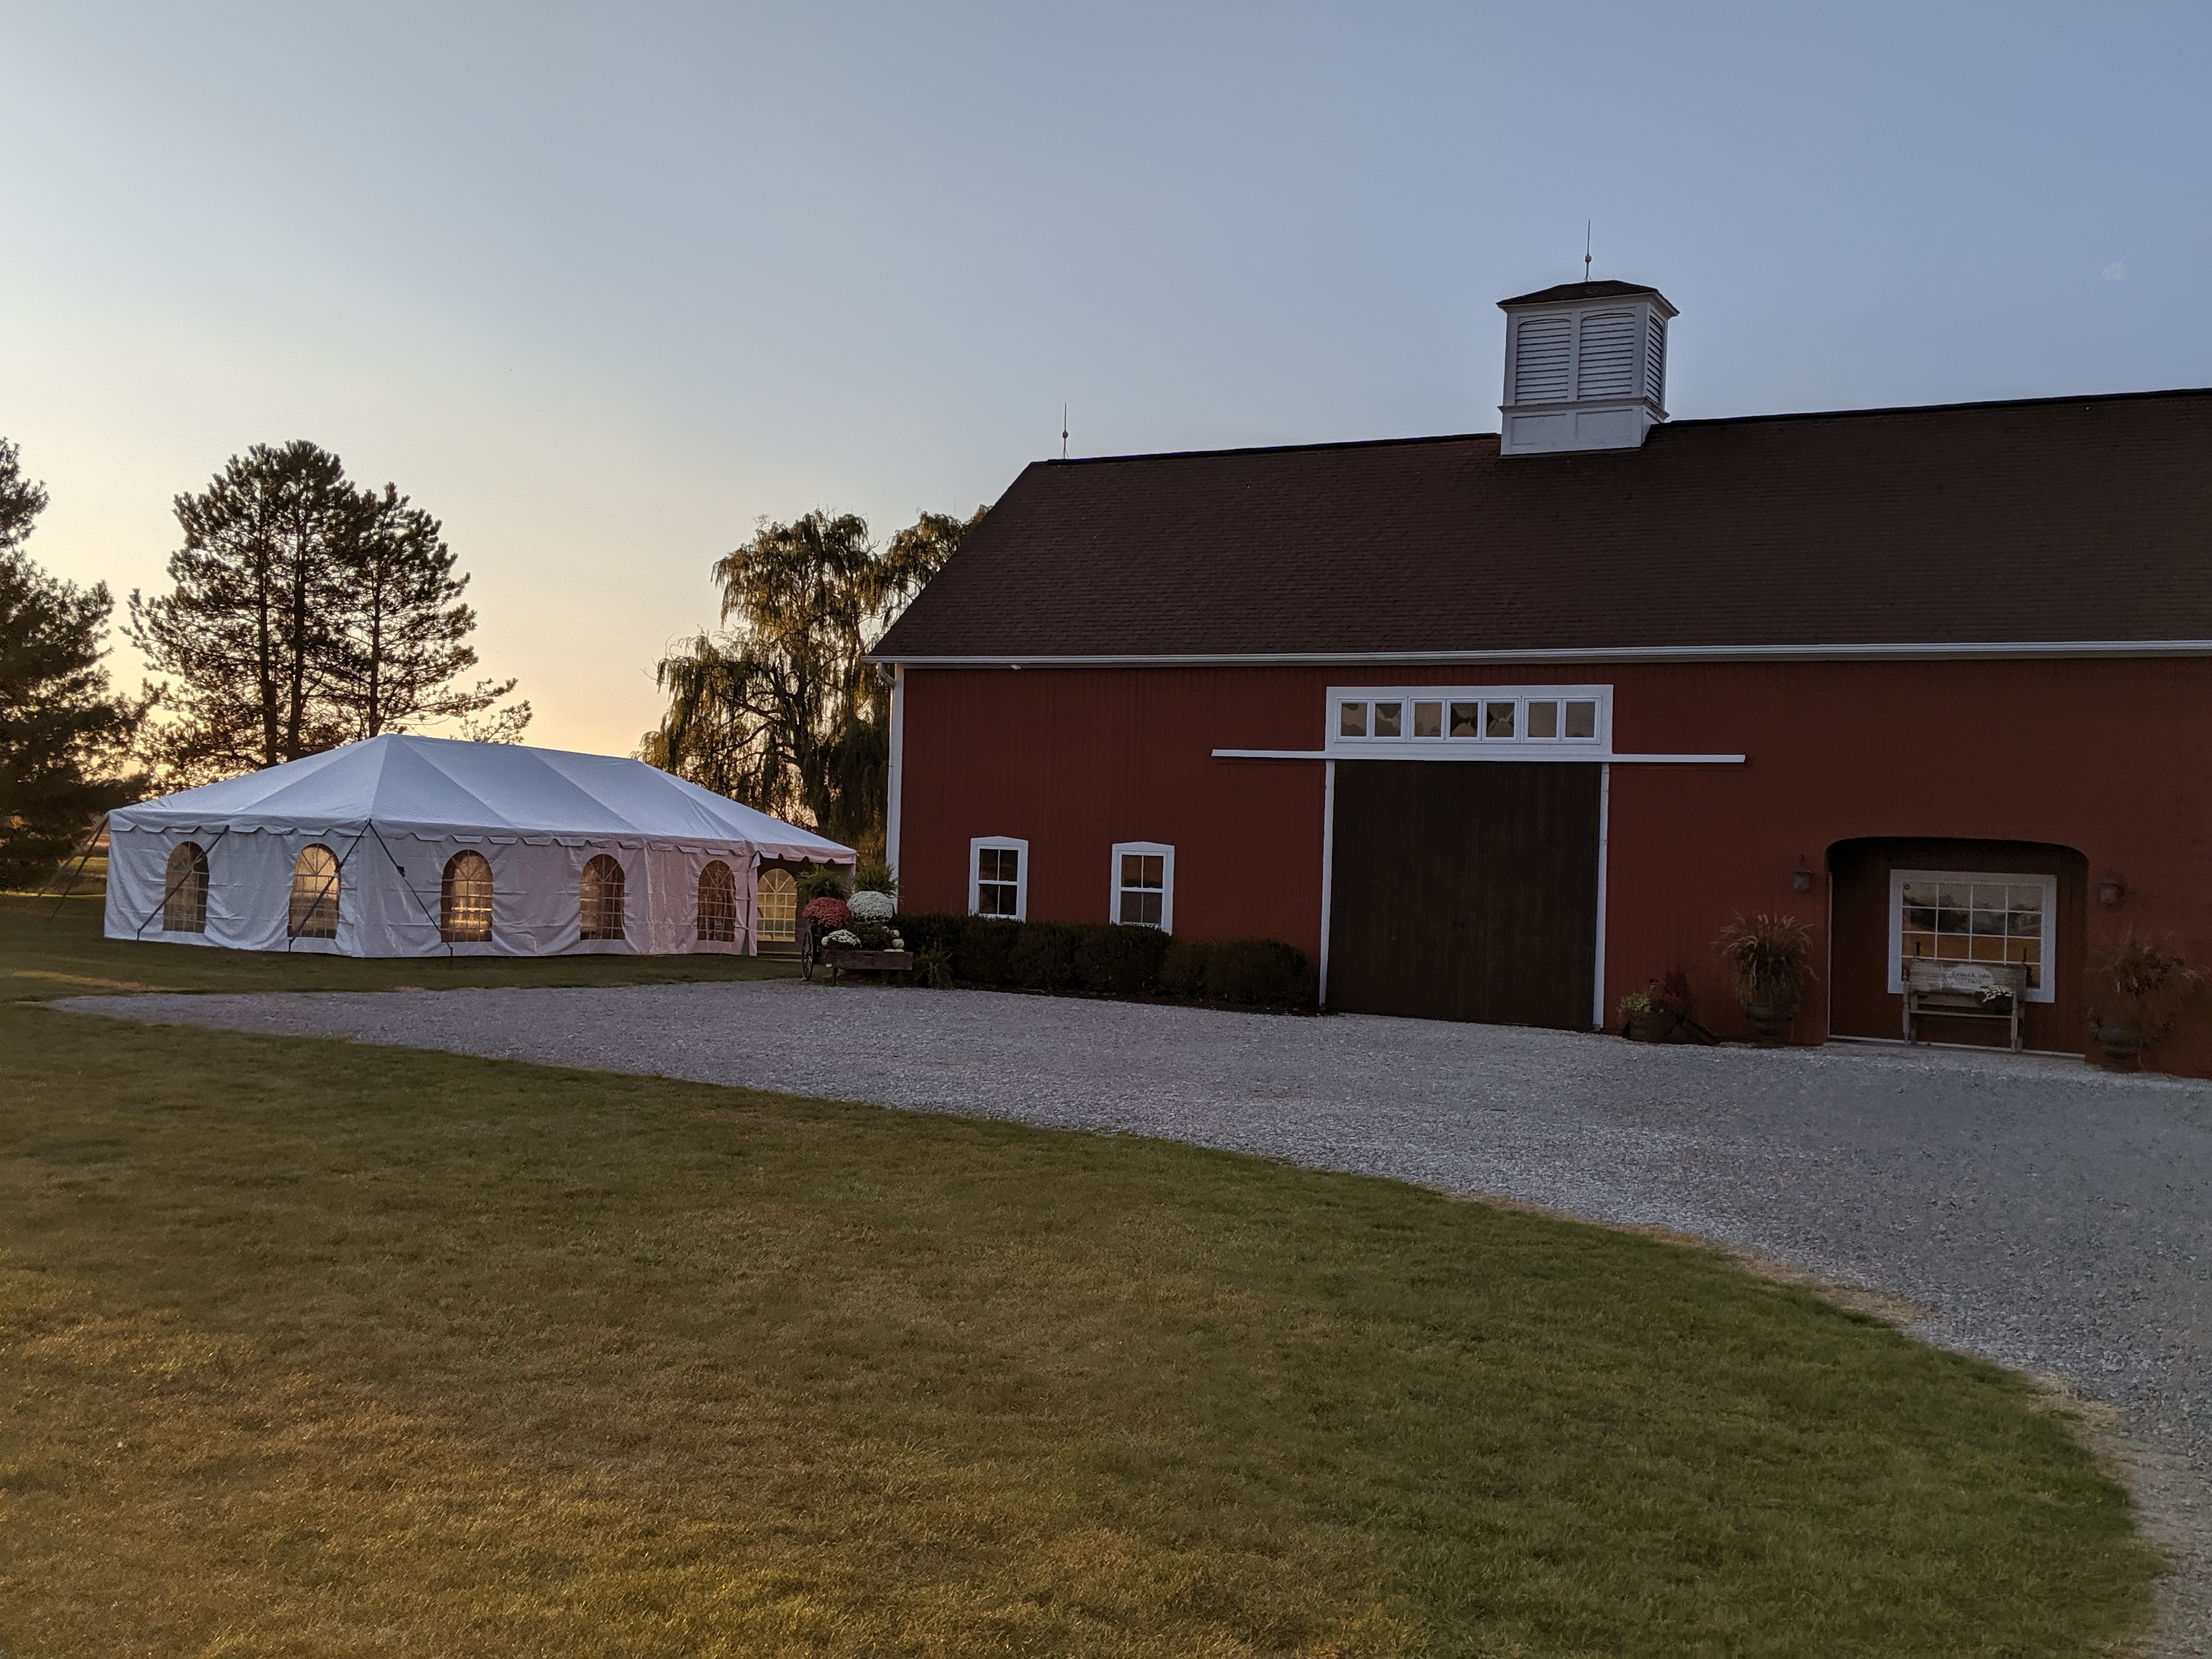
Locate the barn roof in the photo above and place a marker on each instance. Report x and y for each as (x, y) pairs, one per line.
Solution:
(2076, 522)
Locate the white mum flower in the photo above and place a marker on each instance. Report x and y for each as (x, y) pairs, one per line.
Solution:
(872, 907)
(844, 935)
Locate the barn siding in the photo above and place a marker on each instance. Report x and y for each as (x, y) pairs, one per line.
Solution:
(2110, 759)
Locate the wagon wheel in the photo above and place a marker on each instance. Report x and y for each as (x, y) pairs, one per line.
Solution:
(806, 949)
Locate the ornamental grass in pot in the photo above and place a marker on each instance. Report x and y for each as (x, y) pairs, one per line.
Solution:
(1769, 962)
(2142, 988)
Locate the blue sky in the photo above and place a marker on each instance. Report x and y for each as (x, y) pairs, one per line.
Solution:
(601, 286)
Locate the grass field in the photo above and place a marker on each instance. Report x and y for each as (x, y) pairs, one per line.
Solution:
(323, 1349)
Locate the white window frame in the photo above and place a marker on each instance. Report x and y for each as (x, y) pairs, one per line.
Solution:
(2047, 991)
(1159, 849)
(1444, 746)
(1000, 843)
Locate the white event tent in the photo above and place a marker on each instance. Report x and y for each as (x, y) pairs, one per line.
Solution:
(405, 847)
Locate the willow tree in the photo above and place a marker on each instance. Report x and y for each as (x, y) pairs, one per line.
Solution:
(777, 709)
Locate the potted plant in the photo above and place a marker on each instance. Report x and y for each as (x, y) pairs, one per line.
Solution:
(818, 918)
(2143, 986)
(1664, 1012)
(1769, 962)
(1639, 1013)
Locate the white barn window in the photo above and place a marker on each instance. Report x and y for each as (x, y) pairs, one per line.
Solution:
(1963, 916)
(1468, 719)
(998, 878)
(1142, 894)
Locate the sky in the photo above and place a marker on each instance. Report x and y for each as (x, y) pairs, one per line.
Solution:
(602, 287)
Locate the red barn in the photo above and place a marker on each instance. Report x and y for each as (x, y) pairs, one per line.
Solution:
(1502, 727)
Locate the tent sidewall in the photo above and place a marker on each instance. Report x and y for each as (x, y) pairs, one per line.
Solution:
(391, 885)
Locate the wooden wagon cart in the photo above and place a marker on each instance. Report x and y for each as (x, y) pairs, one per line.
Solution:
(1964, 990)
(839, 960)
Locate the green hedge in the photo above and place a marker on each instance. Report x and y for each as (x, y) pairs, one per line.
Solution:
(1100, 957)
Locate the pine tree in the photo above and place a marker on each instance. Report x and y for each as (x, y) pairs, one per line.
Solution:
(246, 631)
(306, 612)
(63, 737)
(400, 632)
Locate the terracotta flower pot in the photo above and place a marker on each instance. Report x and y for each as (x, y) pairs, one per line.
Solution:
(1772, 1020)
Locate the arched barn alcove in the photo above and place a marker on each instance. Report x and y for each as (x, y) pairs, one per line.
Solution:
(1894, 898)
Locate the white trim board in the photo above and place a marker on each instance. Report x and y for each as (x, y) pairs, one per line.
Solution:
(1604, 843)
(893, 813)
(1837, 651)
(1480, 751)
(1328, 868)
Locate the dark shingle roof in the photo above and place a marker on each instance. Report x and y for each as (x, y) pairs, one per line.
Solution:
(1601, 290)
(2059, 520)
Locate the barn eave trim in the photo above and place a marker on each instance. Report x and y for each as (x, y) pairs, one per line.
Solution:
(1952, 650)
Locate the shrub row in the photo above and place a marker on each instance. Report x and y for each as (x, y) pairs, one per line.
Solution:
(1100, 957)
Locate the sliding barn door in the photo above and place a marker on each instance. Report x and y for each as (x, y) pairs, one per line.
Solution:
(1465, 891)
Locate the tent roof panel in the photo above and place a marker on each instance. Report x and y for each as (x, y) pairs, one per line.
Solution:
(440, 785)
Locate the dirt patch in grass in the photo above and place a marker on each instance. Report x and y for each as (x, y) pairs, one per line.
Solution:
(318, 1348)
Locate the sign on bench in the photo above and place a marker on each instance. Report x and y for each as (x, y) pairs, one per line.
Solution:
(1964, 990)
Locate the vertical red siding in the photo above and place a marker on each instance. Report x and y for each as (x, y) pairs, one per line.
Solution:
(2111, 758)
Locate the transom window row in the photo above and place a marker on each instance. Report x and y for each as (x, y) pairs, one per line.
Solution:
(1512, 720)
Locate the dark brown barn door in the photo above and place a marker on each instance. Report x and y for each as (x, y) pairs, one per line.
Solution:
(1465, 890)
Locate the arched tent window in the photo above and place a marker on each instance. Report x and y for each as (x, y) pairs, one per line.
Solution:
(775, 913)
(184, 902)
(601, 898)
(315, 894)
(718, 904)
(465, 900)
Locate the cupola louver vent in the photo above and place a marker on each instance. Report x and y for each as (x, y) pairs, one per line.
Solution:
(1605, 364)
(1543, 366)
(1585, 367)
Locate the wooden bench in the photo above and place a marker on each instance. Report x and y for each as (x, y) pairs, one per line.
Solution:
(1953, 990)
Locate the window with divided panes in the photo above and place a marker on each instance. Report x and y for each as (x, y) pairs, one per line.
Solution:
(718, 904)
(315, 894)
(1141, 888)
(998, 881)
(1974, 918)
(465, 900)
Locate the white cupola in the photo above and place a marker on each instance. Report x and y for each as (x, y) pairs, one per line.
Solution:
(1585, 367)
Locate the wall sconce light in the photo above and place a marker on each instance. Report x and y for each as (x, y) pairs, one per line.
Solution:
(2112, 891)
(1801, 879)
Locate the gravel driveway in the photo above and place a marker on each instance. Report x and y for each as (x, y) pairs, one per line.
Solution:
(2053, 1218)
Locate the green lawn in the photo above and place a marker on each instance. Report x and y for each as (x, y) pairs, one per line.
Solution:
(313, 1348)
(55, 949)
